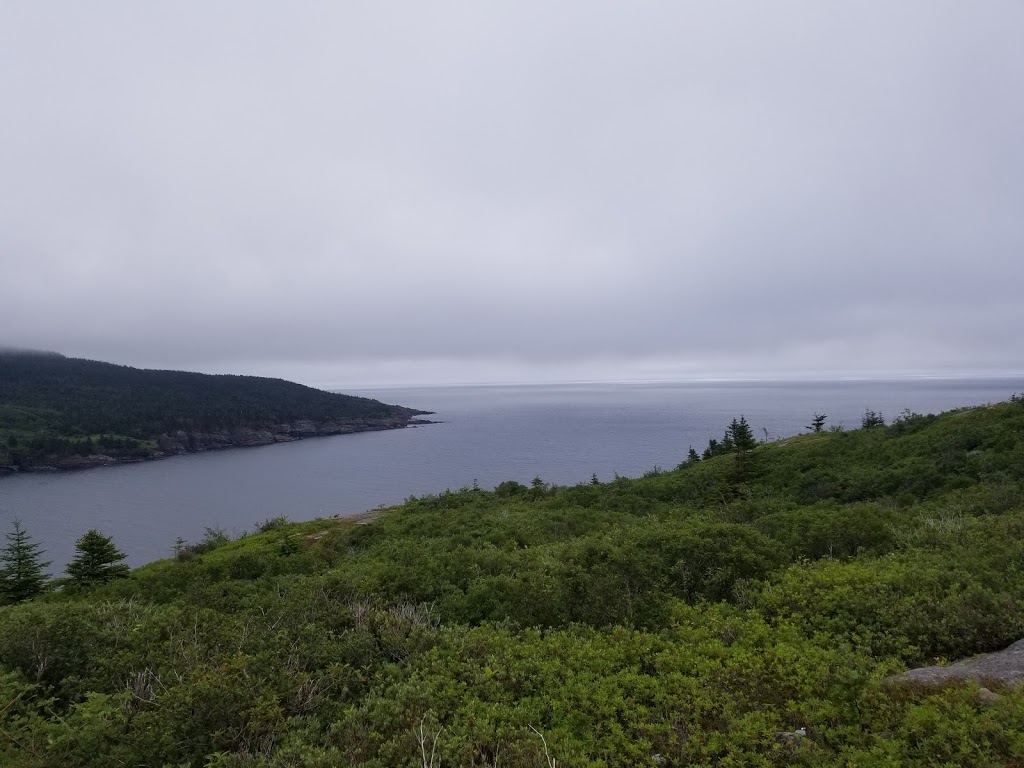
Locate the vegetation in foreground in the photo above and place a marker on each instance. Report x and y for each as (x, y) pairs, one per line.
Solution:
(742, 610)
(53, 408)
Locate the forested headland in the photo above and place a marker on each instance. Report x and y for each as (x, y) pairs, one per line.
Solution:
(745, 609)
(64, 413)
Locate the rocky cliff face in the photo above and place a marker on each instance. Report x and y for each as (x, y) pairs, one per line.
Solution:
(192, 442)
(180, 442)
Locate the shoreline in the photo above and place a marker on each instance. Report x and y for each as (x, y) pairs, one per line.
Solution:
(183, 444)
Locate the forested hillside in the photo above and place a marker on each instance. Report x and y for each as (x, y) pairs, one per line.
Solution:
(742, 610)
(52, 407)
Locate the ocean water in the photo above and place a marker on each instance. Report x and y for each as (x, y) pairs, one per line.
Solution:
(562, 433)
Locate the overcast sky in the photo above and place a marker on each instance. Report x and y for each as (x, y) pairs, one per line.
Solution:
(382, 193)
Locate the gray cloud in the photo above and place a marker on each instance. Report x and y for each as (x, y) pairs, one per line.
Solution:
(452, 190)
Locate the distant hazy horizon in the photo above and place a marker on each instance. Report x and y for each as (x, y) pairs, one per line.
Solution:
(314, 376)
(367, 194)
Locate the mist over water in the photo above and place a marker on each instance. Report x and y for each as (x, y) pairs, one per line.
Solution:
(562, 433)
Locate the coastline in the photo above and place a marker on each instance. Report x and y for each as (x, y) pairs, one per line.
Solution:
(182, 443)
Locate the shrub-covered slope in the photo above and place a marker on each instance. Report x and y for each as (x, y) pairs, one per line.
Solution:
(739, 611)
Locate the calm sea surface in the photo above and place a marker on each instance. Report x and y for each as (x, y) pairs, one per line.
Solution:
(562, 433)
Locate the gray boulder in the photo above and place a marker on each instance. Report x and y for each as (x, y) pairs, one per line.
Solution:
(1006, 666)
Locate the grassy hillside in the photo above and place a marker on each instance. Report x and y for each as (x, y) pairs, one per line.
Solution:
(699, 616)
(51, 405)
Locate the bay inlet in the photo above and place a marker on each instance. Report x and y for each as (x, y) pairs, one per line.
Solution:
(563, 433)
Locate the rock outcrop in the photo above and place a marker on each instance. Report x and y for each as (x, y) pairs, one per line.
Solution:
(1005, 667)
(181, 442)
(86, 462)
(192, 442)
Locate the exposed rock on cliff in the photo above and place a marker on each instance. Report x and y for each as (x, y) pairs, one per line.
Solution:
(1006, 666)
(191, 442)
(181, 442)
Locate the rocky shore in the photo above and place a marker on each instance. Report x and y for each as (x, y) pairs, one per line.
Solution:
(182, 442)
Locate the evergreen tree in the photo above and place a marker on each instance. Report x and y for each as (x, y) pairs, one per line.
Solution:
(872, 419)
(97, 560)
(740, 436)
(818, 422)
(22, 574)
(692, 457)
(713, 449)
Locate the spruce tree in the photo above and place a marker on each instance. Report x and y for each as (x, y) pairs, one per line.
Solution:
(22, 571)
(872, 419)
(713, 449)
(740, 436)
(97, 560)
